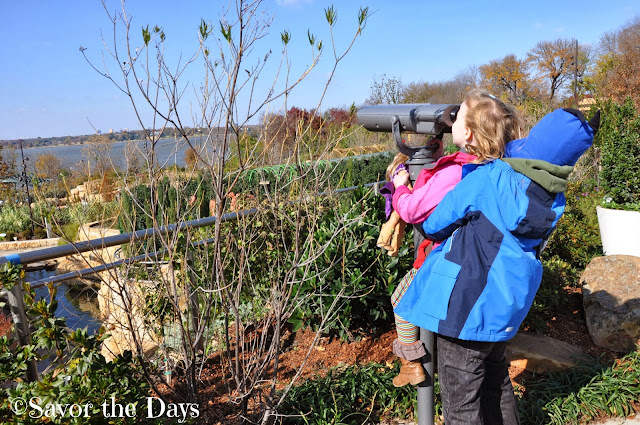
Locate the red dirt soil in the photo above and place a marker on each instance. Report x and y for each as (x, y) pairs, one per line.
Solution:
(5, 324)
(567, 324)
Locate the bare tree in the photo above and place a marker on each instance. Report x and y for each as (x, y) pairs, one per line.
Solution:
(449, 91)
(96, 150)
(617, 69)
(468, 77)
(556, 63)
(48, 166)
(191, 158)
(133, 157)
(229, 300)
(385, 90)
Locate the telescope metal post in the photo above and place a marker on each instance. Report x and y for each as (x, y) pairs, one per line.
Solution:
(425, 396)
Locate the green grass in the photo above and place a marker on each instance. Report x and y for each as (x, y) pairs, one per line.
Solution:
(365, 394)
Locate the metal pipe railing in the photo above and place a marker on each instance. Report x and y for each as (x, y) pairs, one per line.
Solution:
(16, 296)
(54, 252)
(104, 267)
(101, 243)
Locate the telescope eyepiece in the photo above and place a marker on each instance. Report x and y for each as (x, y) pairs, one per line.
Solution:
(453, 114)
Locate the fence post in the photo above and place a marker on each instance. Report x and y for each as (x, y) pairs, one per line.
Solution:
(21, 324)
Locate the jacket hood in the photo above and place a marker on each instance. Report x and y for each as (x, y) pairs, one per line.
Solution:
(560, 138)
(553, 178)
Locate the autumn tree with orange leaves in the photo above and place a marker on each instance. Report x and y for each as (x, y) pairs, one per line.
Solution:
(617, 70)
(555, 63)
(507, 77)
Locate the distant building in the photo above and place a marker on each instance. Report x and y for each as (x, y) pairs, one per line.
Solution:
(99, 132)
(111, 131)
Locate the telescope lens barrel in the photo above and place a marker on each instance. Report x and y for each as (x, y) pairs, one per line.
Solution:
(423, 118)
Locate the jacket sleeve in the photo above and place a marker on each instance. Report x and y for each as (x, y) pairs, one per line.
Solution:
(415, 207)
(456, 206)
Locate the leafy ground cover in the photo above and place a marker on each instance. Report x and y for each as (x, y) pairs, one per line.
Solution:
(350, 382)
(347, 376)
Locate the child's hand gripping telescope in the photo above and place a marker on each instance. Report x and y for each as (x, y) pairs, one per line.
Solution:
(424, 118)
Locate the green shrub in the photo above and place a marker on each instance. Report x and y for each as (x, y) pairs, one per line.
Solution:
(582, 394)
(576, 240)
(68, 232)
(25, 234)
(88, 212)
(77, 372)
(364, 394)
(574, 243)
(173, 197)
(619, 141)
(14, 218)
(40, 233)
(351, 271)
(367, 273)
(556, 275)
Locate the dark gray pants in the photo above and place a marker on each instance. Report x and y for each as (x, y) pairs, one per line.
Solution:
(474, 383)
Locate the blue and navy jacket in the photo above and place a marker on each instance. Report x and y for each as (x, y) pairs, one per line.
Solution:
(480, 283)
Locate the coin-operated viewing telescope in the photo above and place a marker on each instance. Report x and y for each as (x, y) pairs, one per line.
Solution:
(418, 118)
(434, 120)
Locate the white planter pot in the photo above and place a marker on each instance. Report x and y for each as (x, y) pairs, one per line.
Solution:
(619, 231)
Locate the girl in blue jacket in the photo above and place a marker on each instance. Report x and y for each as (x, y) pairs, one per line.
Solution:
(476, 288)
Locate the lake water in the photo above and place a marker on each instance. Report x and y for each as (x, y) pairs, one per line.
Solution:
(168, 152)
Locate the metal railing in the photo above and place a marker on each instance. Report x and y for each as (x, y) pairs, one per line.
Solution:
(16, 296)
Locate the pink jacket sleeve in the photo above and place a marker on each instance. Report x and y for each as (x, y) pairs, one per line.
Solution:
(415, 207)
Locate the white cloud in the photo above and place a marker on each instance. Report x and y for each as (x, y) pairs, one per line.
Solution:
(559, 29)
(538, 25)
(21, 110)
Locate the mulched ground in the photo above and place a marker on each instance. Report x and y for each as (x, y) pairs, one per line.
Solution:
(5, 324)
(567, 324)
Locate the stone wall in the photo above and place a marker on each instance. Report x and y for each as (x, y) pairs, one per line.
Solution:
(29, 244)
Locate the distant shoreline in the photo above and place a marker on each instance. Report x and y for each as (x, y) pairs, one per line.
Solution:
(36, 143)
(60, 144)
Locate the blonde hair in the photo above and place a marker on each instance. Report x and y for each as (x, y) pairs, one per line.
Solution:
(492, 122)
(400, 158)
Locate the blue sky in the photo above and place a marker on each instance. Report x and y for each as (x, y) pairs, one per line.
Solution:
(47, 89)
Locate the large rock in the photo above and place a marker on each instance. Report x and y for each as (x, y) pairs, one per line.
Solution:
(539, 353)
(611, 297)
(90, 259)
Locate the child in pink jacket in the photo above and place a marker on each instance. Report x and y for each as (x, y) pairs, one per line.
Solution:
(495, 123)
